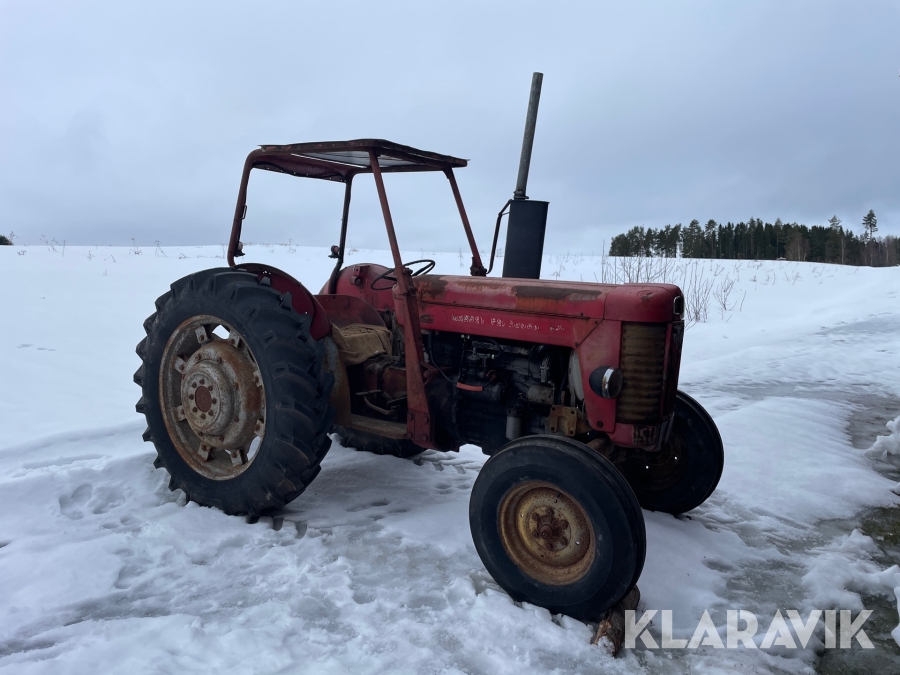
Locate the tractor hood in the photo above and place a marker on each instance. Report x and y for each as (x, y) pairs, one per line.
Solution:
(626, 302)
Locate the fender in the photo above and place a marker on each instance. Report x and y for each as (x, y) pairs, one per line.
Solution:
(302, 300)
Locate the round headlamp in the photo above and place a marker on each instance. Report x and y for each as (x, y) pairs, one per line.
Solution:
(606, 382)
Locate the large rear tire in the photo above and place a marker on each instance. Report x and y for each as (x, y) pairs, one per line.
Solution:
(556, 525)
(685, 472)
(234, 393)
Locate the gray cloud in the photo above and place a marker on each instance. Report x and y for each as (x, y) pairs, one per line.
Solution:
(126, 120)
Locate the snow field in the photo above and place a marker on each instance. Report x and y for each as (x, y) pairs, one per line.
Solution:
(102, 568)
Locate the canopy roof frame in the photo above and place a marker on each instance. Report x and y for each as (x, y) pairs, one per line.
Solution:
(340, 161)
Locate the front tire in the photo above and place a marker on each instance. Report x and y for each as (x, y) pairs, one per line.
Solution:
(556, 525)
(234, 393)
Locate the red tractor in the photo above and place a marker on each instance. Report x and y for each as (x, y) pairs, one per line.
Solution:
(571, 388)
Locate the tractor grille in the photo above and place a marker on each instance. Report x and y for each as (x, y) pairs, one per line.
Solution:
(672, 367)
(642, 361)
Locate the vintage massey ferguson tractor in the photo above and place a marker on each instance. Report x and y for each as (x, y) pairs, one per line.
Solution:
(571, 388)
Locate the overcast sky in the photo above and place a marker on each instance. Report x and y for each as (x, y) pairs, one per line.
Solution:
(125, 119)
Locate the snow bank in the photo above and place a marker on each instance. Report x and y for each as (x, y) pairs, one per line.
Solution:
(889, 445)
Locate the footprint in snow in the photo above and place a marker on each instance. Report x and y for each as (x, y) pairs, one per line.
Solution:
(70, 505)
(85, 498)
(40, 349)
(372, 505)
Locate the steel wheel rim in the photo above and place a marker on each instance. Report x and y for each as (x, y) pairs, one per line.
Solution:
(212, 398)
(546, 533)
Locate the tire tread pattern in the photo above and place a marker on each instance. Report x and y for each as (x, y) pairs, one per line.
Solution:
(297, 389)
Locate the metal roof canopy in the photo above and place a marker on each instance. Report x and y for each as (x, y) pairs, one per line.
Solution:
(341, 160)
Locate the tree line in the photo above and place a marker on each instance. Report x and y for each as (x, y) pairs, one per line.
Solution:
(756, 240)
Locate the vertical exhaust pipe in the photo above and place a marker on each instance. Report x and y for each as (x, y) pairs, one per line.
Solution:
(527, 217)
(534, 100)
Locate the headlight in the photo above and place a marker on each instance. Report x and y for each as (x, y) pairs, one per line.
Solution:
(606, 382)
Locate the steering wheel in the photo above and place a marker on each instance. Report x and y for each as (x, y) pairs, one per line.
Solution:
(426, 268)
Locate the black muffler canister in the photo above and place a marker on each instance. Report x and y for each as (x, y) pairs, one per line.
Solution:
(525, 238)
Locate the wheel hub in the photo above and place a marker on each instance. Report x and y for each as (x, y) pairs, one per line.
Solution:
(546, 533)
(213, 397)
(221, 396)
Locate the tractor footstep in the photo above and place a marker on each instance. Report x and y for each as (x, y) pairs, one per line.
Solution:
(612, 627)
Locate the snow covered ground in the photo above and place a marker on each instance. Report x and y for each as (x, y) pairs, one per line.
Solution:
(372, 570)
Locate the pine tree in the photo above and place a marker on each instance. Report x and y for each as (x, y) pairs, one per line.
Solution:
(838, 232)
(692, 240)
(870, 224)
(619, 246)
(709, 238)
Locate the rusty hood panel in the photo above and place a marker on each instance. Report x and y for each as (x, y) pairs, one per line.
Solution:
(628, 302)
(529, 296)
(642, 302)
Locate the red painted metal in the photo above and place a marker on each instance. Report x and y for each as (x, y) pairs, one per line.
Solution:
(342, 310)
(600, 348)
(531, 296)
(357, 280)
(477, 269)
(641, 302)
(302, 300)
(510, 325)
(420, 422)
(234, 239)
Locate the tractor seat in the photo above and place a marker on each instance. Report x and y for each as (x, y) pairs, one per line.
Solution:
(358, 342)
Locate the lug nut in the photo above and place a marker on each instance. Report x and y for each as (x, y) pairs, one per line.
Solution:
(194, 409)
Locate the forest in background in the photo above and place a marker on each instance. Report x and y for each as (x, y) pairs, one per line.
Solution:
(756, 240)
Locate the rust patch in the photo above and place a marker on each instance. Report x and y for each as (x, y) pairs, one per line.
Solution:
(554, 293)
(430, 286)
(546, 533)
(203, 399)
